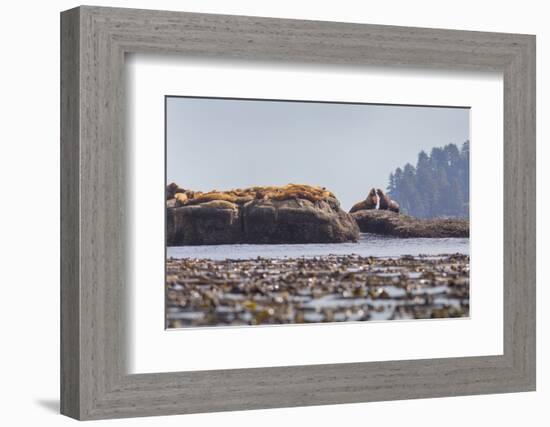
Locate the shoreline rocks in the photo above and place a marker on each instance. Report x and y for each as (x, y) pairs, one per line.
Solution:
(270, 215)
(292, 214)
(389, 223)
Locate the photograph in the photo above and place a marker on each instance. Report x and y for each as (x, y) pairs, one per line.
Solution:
(293, 212)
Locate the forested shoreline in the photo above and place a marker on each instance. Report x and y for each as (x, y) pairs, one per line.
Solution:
(438, 186)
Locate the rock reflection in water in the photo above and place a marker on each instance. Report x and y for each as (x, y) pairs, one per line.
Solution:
(204, 292)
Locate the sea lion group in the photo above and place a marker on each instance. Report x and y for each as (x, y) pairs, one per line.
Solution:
(376, 200)
(177, 197)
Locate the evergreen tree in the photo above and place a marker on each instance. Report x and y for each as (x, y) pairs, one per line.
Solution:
(438, 186)
(391, 186)
(425, 180)
(397, 181)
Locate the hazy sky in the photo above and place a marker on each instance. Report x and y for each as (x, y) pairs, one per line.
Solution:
(223, 144)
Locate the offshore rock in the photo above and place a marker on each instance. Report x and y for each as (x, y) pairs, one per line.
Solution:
(284, 214)
(389, 223)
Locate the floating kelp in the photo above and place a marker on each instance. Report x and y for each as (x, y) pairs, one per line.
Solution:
(262, 291)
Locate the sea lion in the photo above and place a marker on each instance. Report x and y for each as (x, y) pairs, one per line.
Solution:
(393, 206)
(369, 203)
(386, 203)
(171, 190)
(384, 200)
(181, 199)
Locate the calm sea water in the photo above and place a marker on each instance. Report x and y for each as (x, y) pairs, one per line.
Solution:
(368, 245)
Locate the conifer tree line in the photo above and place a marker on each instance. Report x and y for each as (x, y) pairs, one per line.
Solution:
(439, 185)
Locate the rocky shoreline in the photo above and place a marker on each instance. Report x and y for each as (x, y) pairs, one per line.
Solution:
(202, 292)
(290, 214)
(389, 223)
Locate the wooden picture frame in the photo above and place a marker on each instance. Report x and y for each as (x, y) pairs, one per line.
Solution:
(94, 41)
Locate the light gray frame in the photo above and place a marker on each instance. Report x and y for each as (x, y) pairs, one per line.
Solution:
(94, 41)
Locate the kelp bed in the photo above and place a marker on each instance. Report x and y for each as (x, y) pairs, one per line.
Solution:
(203, 292)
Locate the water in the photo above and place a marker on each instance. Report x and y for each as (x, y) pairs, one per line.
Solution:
(368, 245)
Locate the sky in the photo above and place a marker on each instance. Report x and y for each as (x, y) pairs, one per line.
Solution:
(348, 148)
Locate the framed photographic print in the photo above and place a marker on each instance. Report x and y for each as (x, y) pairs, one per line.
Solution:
(263, 213)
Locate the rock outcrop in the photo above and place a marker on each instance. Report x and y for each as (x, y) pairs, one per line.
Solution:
(390, 223)
(285, 214)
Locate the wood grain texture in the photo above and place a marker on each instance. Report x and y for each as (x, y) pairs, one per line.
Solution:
(95, 238)
(70, 258)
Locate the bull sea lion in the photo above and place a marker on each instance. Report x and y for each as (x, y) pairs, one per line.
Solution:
(369, 203)
(386, 203)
